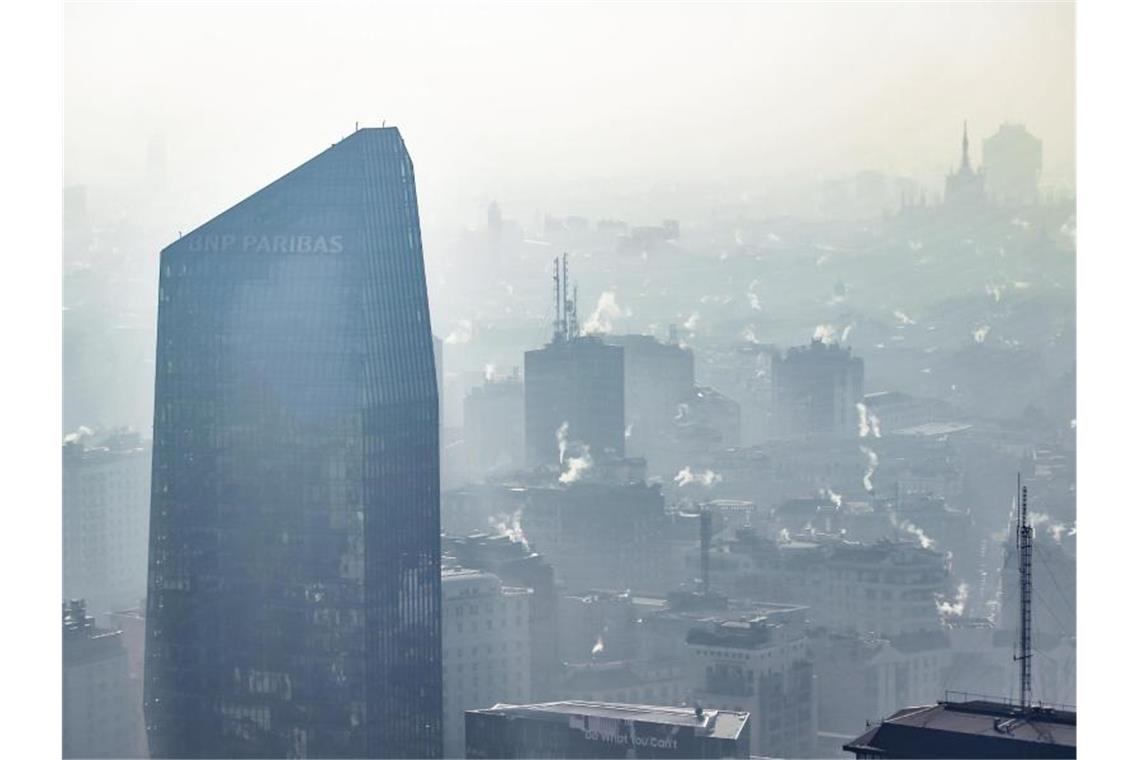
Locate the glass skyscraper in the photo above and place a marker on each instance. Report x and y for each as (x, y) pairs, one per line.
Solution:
(294, 583)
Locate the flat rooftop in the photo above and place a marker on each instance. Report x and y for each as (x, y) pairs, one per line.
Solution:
(717, 724)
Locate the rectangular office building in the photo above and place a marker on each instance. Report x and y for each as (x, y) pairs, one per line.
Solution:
(293, 604)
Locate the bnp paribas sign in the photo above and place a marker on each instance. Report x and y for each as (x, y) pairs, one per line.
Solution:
(267, 243)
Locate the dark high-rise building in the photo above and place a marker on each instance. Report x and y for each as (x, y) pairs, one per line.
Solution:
(605, 729)
(815, 389)
(294, 588)
(574, 392)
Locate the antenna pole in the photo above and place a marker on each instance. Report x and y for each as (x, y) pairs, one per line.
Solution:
(557, 301)
(1025, 572)
(565, 297)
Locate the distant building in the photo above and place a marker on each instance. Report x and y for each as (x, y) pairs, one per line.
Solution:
(760, 666)
(98, 717)
(106, 511)
(965, 188)
(974, 728)
(600, 729)
(486, 647)
(574, 401)
(815, 389)
(494, 220)
(597, 626)
(640, 680)
(1012, 158)
(600, 535)
(658, 377)
(517, 566)
(493, 427)
(886, 587)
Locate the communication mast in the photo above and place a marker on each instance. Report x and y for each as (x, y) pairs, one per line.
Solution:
(565, 306)
(1025, 575)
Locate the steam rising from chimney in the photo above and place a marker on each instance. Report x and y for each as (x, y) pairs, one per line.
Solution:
(872, 465)
(461, 334)
(607, 309)
(686, 477)
(958, 607)
(868, 421)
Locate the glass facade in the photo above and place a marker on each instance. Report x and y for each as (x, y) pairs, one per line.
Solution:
(293, 591)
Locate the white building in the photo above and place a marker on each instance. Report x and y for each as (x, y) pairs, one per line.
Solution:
(106, 511)
(486, 648)
(759, 664)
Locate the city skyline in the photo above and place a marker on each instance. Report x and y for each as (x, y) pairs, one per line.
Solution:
(341, 478)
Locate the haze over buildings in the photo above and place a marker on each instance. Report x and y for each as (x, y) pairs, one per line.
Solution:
(741, 486)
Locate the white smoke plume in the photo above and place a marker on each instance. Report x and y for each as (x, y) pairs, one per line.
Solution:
(981, 333)
(79, 435)
(957, 607)
(994, 291)
(488, 372)
(607, 309)
(461, 334)
(785, 536)
(753, 296)
(925, 541)
(868, 421)
(824, 333)
(686, 477)
(749, 334)
(562, 435)
(511, 527)
(903, 317)
(599, 647)
(573, 466)
(836, 499)
(576, 466)
(682, 412)
(691, 323)
(846, 334)
(872, 465)
(628, 430)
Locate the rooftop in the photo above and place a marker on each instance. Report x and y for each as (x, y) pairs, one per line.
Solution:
(975, 728)
(717, 724)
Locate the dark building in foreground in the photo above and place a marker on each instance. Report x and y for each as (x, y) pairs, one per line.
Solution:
(293, 604)
(975, 729)
(605, 729)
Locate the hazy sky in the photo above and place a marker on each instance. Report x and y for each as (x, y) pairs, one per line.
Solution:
(518, 101)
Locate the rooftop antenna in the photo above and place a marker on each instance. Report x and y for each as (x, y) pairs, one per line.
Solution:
(1025, 574)
(574, 313)
(706, 539)
(557, 301)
